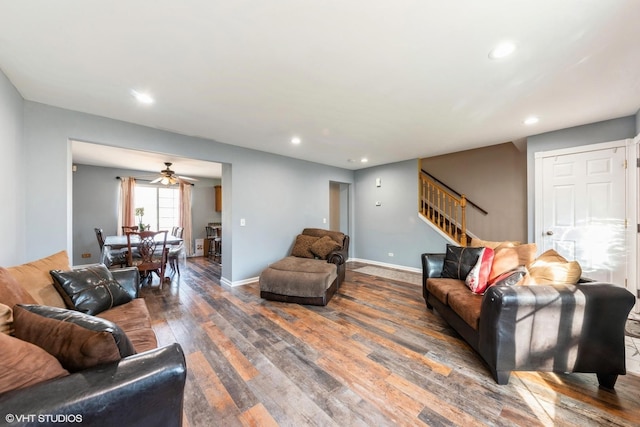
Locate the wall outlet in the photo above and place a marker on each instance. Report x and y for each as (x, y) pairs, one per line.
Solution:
(324, 220)
(86, 255)
(390, 253)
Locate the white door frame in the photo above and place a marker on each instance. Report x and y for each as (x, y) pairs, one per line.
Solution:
(632, 178)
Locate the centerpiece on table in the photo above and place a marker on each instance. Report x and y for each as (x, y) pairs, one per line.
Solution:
(140, 214)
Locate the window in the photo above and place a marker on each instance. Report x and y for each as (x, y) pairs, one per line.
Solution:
(161, 206)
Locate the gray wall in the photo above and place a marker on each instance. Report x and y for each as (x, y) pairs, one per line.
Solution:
(609, 130)
(394, 226)
(90, 211)
(12, 192)
(277, 196)
(495, 179)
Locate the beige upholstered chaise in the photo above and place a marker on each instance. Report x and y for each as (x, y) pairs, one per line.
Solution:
(312, 273)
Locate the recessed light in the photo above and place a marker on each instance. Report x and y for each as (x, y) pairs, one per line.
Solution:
(532, 120)
(144, 98)
(296, 140)
(351, 160)
(364, 160)
(502, 50)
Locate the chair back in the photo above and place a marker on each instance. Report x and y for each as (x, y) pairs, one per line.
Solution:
(151, 250)
(99, 236)
(212, 232)
(126, 228)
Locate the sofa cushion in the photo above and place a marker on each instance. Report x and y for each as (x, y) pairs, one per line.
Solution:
(509, 258)
(442, 287)
(551, 268)
(11, 293)
(467, 305)
(459, 260)
(478, 277)
(90, 290)
(298, 277)
(77, 340)
(34, 277)
(134, 319)
(337, 236)
(23, 364)
(302, 246)
(324, 246)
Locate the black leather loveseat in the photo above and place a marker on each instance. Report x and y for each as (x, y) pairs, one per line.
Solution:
(564, 328)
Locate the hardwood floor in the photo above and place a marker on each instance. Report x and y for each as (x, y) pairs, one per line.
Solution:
(374, 356)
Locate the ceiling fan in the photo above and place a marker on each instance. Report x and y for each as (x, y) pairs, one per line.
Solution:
(169, 177)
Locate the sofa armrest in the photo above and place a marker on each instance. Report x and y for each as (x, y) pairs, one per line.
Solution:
(340, 256)
(129, 279)
(432, 265)
(557, 328)
(145, 389)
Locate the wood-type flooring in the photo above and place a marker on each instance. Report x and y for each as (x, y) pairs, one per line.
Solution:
(374, 356)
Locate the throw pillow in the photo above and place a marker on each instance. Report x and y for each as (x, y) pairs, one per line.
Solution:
(475, 242)
(23, 364)
(551, 268)
(302, 246)
(34, 277)
(511, 277)
(338, 236)
(77, 340)
(90, 290)
(477, 278)
(507, 258)
(11, 293)
(458, 261)
(6, 319)
(324, 246)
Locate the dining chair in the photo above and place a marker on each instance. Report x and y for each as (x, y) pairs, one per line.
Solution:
(176, 252)
(151, 247)
(110, 256)
(126, 228)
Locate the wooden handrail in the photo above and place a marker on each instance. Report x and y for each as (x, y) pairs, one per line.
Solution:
(454, 192)
(444, 209)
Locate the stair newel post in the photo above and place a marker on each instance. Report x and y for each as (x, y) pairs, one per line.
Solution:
(463, 222)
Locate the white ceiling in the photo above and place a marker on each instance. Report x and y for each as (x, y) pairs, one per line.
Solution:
(86, 153)
(386, 80)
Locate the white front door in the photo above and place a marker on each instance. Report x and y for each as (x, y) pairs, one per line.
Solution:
(581, 203)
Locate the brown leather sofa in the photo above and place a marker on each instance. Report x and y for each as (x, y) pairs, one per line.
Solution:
(312, 273)
(556, 328)
(145, 388)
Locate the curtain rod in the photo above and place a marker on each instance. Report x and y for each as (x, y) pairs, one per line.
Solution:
(148, 180)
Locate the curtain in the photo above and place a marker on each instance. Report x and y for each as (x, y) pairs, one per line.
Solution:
(185, 217)
(127, 212)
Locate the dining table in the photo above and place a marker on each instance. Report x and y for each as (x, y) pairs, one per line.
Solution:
(120, 242)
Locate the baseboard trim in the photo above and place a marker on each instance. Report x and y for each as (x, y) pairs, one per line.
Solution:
(387, 265)
(226, 282)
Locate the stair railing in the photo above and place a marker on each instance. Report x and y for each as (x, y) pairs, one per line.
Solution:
(444, 209)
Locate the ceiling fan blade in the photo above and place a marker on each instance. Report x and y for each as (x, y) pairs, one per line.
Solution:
(187, 178)
(156, 180)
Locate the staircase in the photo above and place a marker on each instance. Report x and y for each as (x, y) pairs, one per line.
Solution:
(444, 208)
